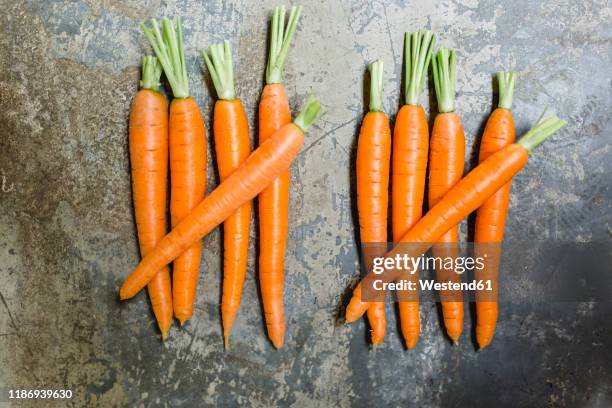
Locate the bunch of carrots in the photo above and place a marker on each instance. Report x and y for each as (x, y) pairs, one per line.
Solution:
(158, 136)
(451, 196)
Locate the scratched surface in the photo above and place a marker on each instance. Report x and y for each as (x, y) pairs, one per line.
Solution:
(68, 71)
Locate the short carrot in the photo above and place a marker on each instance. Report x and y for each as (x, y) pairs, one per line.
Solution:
(446, 159)
(462, 199)
(273, 202)
(409, 162)
(232, 145)
(491, 216)
(187, 138)
(373, 156)
(264, 165)
(148, 130)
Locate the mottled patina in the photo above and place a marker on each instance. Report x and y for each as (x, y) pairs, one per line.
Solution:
(68, 71)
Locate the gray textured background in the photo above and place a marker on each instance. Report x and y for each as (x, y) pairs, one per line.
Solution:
(68, 71)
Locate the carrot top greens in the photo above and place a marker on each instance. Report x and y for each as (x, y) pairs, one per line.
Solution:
(280, 39)
(168, 46)
(151, 73)
(308, 113)
(418, 47)
(541, 131)
(445, 78)
(221, 69)
(505, 82)
(376, 84)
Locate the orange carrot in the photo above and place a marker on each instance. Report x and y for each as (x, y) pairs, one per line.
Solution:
(462, 199)
(187, 158)
(409, 163)
(273, 202)
(264, 165)
(232, 145)
(373, 156)
(446, 158)
(491, 216)
(149, 159)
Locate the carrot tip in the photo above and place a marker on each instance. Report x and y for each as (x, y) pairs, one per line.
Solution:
(376, 341)
(182, 321)
(410, 344)
(454, 336)
(225, 340)
(349, 319)
(353, 314)
(277, 342)
(164, 335)
(123, 295)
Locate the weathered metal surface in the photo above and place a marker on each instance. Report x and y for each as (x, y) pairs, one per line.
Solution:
(68, 71)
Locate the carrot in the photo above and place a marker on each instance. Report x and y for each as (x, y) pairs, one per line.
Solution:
(273, 202)
(373, 156)
(446, 158)
(409, 162)
(491, 216)
(462, 199)
(187, 139)
(232, 145)
(148, 131)
(264, 165)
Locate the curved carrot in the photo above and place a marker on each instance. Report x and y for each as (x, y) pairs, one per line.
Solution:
(373, 155)
(273, 202)
(462, 199)
(232, 146)
(148, 131)
(187, 158)
(446, 158)
(269, 160)
(491, 216)
(409, 163)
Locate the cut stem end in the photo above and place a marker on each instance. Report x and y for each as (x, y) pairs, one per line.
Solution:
(151, 73)
(540, 132)
(280, 39)
(418, 47)
(376, 84)
(309, 112)
(444, 73)
(506, 82)
(168, 46)
(221, 70)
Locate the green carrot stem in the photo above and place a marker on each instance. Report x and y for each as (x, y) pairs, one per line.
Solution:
(445, 78)
(168, 47)
(505, 82)
(418, 47)
(151, 73)
(308, 113)
(221, 70)
(540, 132)
(280, 39)
(376, 84)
